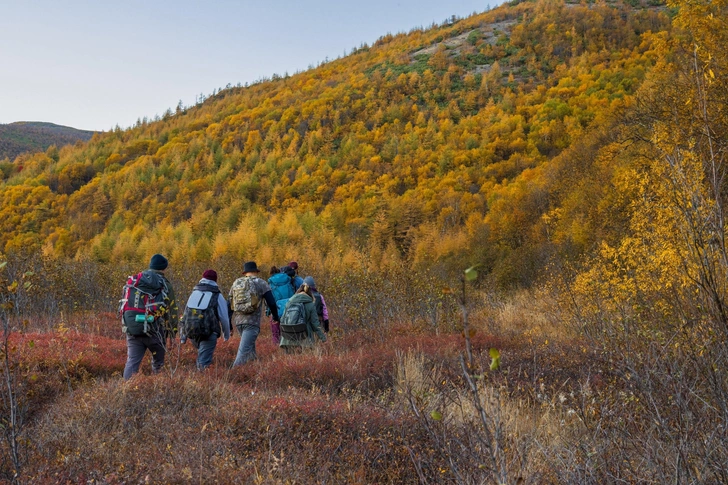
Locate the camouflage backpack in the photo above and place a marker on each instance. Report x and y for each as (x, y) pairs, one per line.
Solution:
(245, 295)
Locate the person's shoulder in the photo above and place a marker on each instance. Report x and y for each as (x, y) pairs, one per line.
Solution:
(160, 276)
(302, 297)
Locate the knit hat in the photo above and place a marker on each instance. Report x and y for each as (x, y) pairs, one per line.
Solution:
(250, 267)
(158, 262)
(210, 274)
(293, 265)
(308, 280)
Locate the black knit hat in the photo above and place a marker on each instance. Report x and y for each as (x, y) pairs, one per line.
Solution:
(158, 262)
(250, 267)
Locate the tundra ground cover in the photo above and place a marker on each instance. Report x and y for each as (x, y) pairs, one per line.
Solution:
(340, 413)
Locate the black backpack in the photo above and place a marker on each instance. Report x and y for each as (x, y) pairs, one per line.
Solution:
(200, 318)
(293, 321)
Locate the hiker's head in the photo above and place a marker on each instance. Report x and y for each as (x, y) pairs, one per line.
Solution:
(304, 288)
(274, 270)
(250, 267)
(158, 262)
(210, 274)
(288, 271)
(294, 265)
(308, 280)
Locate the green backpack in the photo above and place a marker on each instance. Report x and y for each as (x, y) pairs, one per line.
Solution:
(293, 321)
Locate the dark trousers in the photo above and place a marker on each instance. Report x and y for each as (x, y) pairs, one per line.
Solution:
(136, 347)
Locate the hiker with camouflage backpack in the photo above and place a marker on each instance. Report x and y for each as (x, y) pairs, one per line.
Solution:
(300, 322)
(246, 298)
(149, 315)
(205, 318)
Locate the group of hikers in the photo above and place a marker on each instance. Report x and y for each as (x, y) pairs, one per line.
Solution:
(150, 314)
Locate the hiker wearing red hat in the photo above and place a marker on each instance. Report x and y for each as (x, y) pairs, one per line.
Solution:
(205, 318)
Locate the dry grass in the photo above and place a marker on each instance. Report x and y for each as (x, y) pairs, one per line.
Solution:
(359, 409)
(196, 426)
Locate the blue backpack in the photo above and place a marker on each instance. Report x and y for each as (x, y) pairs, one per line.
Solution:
(282, 289)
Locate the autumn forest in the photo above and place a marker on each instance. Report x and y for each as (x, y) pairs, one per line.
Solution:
(572, 155)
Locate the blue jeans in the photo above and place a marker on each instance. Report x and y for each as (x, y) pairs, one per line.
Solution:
(246, 350)
(205, 350)
(136, 346)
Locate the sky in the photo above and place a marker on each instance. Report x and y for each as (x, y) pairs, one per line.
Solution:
(93, 64)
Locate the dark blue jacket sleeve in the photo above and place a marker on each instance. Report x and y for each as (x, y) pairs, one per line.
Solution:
(271, 302)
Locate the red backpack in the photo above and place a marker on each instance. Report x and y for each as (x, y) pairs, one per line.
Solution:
(143, 302)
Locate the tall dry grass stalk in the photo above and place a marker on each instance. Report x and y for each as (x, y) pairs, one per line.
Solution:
(532, 312)
(417, 380)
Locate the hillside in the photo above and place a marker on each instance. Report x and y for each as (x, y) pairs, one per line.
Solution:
(574, 158)
(418, 147)
(28, 136)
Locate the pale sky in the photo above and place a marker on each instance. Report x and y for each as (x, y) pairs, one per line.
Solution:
(92, 64)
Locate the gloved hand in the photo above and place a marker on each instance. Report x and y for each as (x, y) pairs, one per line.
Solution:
(326, 326)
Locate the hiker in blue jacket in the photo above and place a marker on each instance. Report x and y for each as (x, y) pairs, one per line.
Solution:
(282, 288)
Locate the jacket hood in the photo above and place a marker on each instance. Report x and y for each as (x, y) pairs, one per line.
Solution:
(303, 297)
(205, 281)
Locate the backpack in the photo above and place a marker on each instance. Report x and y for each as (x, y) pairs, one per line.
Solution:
(282, 288)
(143, 301)
(293, 321)
(245, 296)
(200, 318)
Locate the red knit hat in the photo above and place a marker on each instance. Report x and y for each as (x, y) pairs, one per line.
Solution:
(210, 274)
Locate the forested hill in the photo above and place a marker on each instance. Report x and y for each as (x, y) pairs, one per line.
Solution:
(33, 136)
(468, 142)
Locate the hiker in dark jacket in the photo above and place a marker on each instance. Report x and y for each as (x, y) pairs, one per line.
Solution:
(297, 280)
(321, 310)
(293, 338)
(206, 347)
(291, 273)
(164, 325)
(246, 297)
